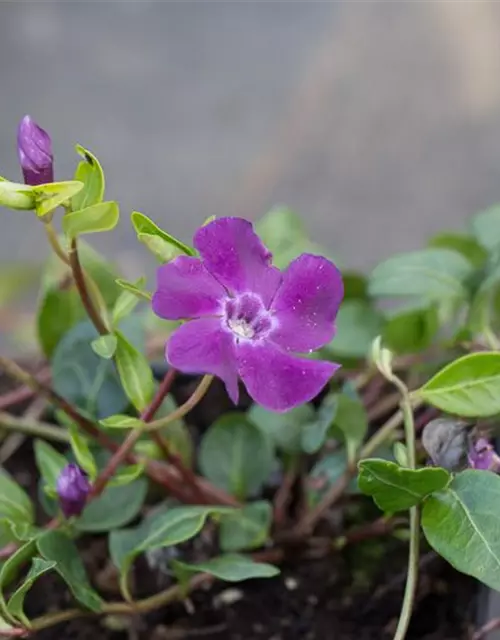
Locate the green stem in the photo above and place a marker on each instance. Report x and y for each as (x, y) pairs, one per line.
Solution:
(185, 408)
(413, 554)
(54, 241)
(33, 428)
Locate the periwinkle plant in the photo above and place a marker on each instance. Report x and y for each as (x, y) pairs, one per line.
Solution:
(281, 325)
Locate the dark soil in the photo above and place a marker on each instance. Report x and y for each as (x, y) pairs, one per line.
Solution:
(354, 594)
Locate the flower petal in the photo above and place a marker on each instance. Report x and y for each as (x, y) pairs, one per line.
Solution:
(306, 304)
(185, 289)
(204, 346)
(279, 381)
(235, 255)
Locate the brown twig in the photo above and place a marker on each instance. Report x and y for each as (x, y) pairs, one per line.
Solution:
(166, 476)
(24, 393)
(282, 497)
(81, 285)
(491, 625)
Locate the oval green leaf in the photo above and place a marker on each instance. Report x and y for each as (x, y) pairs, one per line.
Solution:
(467, 387)
(135, 373)
(462, 525)
(90, 172)
(394, 488)
(231, 567)
(95, 219)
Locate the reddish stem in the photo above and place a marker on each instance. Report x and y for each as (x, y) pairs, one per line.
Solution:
(485, 630)
(22, 394)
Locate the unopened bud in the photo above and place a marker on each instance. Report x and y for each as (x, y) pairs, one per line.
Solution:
(34, 148)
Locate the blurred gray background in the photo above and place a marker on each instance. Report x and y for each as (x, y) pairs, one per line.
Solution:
(378, 121)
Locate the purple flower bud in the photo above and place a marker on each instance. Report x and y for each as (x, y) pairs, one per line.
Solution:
(73, 487)
(34, 148)
(483, 456)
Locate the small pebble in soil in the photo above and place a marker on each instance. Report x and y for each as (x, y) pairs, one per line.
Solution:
(227, 597)
(291, 583)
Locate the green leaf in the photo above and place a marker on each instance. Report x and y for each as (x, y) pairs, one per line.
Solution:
(20, 197)
(160, 248)
(121, 422)
(394, 488)
(144, 225)
(461, 243)
(49, 462)
(59, 310)
(358, 324)
(50, 196)
(83, 378)
(90, 173)
(430, 274)
(166, 527)
(285, 430)
(127, 301)
(283, 232)
(314, 433)
(135, 373)
(81, 451)
(231, 567)
(486, 227)
(39, 566)
(126, 475)
(468, 387)
(236, 455)
(10, 571)
(94, 219)
(411, 328)
(15, 505)
(135, 289)
(247, 528)
(57, 547)
(105, 346)
(462, 524)
(116, 507)
(352, 420)
(355, 285)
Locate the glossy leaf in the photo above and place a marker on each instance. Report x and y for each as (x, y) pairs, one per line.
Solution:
(468, 387)
(39, 566)
(126, 474)
(127, 301)
(430, 274)
(144, 225)
(358, 324)
(168, 526)
(247, 528)
(231, 567)
(49, 462)
(10, 571)
(81, 451)
(105, 346)
(90, 173)
(236, 456)
(50, 196)
(57, 547)
(462, 524)
(394, 488)
(285, 430)
(15, 505)
(121, 422)
(115, 508)
(19, 197)
(164, 251)
(135, 373)
(94, 219)
(176, 433)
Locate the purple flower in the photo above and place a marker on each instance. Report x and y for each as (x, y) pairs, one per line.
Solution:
(246, 318)
(34, 148)
(73, 487)
(483, 456)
